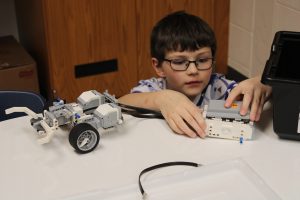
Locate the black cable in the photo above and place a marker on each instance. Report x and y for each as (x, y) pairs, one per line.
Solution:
(140, 112)
(167, 164)
(142, 115)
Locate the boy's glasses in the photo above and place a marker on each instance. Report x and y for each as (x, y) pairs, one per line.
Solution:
(182, 64)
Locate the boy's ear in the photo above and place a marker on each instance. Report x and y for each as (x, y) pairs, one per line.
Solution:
(157, 67)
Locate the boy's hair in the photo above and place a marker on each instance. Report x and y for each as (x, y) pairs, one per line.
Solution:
(180, 31)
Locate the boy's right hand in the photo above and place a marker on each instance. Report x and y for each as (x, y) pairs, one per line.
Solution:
(182, 115)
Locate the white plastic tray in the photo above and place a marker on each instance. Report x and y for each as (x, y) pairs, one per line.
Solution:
(227, 180)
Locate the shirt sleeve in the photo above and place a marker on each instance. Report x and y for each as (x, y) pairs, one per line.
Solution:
(149, 85)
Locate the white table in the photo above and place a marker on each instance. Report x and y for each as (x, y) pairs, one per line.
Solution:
(32, 171)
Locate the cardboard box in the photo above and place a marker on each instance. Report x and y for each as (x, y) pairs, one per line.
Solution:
(17, 68)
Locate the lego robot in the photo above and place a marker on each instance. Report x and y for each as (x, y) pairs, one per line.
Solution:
(92, 112)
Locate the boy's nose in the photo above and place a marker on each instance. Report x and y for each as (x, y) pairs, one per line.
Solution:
(192, 69)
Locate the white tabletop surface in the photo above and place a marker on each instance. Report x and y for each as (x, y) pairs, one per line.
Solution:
(32, 171)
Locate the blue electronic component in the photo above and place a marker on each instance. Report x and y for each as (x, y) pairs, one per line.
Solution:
(241, 140)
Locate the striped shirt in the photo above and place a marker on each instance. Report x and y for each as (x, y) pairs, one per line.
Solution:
(218, 88)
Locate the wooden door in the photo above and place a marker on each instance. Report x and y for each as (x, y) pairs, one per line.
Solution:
(81, 32)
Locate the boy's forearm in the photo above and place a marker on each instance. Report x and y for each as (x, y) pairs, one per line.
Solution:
(143, 100)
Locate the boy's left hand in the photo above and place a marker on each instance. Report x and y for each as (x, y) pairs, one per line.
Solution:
(254, 95)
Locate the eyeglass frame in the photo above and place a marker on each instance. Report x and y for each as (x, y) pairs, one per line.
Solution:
(192, 61)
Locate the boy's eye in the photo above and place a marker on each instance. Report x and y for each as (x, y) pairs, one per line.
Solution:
(203, 60)
(178, 62)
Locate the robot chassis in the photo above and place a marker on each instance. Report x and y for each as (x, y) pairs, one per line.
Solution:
(92, 112)
(95, 111)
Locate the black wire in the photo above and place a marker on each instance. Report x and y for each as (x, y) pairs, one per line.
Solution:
(140, 112)
(167, 164)
(142, 115)
(147, 113)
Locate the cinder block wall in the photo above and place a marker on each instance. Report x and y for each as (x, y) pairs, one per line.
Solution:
(253, 24)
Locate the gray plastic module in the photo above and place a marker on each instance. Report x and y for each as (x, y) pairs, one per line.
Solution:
(216, 109)
(227, 123)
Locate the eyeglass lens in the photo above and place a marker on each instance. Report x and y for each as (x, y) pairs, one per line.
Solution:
(182, 65)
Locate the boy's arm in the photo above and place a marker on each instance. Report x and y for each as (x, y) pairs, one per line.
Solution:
(254, 95)
(181, 114)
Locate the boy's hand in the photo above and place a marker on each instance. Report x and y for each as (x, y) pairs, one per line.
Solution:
(182, 115)
(254, 95)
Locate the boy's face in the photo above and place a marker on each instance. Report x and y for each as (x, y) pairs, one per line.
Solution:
(190, 82)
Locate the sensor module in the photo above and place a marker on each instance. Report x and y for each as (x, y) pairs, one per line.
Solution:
(227, 123)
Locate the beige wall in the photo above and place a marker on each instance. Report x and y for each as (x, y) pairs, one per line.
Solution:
(253, 24)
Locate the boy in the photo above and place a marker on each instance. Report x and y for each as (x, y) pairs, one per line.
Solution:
(183, 49)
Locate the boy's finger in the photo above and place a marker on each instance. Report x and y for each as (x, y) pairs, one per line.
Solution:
(183, 126)
(255, 105)
(195, 118)
(245, 104)
(253, 111)
(232, 96)
(194, 126)
(201, 123)
(174, 127)
(260, 108)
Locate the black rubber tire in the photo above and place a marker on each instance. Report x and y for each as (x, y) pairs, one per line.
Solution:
(80, 132)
